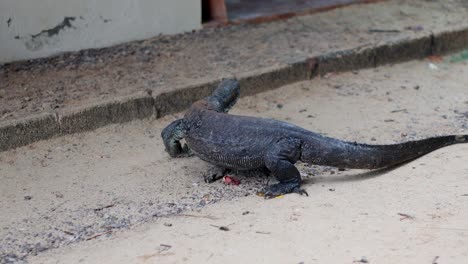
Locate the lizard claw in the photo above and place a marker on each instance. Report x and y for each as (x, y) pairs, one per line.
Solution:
(185, 152)
(214, 174)
(302, 192)
(279, 189)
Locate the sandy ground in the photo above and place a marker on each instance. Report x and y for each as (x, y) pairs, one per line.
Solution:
(114, 196)
(164, 63)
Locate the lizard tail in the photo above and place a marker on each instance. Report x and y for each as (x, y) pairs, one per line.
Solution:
(344, 154)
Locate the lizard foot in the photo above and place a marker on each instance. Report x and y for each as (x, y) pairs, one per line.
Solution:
(282, 188)
(214, 174)
(185, 152)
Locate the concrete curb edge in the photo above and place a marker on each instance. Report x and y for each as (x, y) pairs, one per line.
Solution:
(17, 133)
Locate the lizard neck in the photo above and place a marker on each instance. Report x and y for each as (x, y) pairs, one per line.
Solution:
(193, 117)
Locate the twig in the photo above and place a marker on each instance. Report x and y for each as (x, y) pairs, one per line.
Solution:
(99, 234)
(262, 232)
(68, 232)
(405, 216)
(362, 260)
(223, 228)
(165, 247)
(104, 207)
(376, 30)
(448, 228)
(200, 216)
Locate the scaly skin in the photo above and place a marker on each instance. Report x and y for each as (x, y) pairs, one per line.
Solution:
(246, 143)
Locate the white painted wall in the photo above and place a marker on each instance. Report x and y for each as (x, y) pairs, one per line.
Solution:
(40, 28)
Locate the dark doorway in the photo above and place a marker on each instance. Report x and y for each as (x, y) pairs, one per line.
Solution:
(236, 11)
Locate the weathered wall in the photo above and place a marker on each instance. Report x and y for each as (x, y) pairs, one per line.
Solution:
(33, 29)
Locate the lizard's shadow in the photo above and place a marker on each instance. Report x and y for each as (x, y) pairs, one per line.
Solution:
(360, 176)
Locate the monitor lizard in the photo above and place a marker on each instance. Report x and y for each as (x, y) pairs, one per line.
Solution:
(247, 143)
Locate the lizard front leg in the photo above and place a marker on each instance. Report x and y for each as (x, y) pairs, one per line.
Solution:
(280, 159)
(172, 135)
(215, 173)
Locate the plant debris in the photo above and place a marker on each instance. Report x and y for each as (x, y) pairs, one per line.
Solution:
(103, 207)
(223, 228)
(363, 259)
(99, 234)
(405, 216)
(399, 110)
(200, 216)
(377, 30)
(415, 28)
(164, 247)
(68, 232)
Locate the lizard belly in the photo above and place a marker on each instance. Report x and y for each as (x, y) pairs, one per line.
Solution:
(226, 156)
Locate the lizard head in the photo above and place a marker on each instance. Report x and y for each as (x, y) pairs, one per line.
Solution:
(225, 95)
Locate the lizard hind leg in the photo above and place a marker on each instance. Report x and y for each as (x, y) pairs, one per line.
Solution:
(280, 161)
(225, 95)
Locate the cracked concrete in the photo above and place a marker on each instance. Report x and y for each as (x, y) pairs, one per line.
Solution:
(37, 41)
(30, 30)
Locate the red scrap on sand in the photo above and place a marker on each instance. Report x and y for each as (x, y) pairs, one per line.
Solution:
(229, 180)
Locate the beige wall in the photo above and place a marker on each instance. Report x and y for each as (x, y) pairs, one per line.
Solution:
(40, 28)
